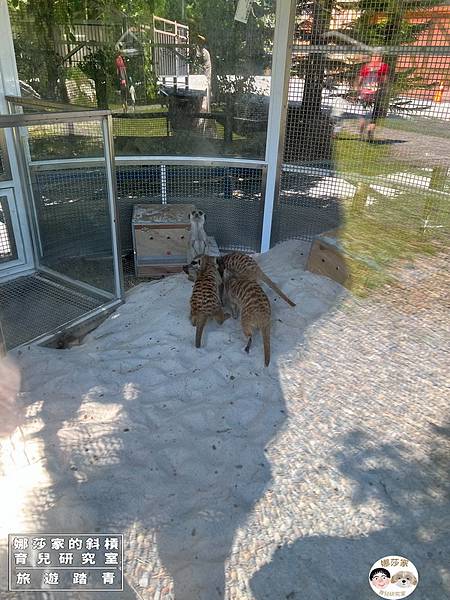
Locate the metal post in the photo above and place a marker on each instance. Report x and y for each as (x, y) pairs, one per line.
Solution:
(108, 146)
(2, 343)
(281, 65)
(163, 184)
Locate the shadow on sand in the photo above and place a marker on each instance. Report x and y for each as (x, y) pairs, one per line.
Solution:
(415, 495)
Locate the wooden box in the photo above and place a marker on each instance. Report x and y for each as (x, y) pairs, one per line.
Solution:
(327, 258)
(160, 238)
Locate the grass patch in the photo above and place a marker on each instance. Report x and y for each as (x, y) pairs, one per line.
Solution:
(378, 236)
(351, 155)
(388, 232)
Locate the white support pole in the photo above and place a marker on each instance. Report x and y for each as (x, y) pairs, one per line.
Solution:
(281, 65)
(9, 81)
(163, 184)
(108, 149)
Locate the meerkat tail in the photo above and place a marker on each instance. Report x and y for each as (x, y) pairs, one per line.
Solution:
(275, 288)
(265, 332)
(201, 322)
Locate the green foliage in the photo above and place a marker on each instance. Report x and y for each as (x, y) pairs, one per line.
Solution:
(100, 67)
(234, 47)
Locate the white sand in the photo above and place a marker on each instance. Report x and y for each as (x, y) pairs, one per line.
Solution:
(213, 466)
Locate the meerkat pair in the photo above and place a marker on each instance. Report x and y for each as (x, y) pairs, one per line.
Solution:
(239, 274)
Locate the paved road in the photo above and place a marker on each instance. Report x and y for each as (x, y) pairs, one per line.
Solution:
(416, 148)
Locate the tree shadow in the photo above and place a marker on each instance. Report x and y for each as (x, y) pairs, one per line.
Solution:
(415, 496)
(387, 142)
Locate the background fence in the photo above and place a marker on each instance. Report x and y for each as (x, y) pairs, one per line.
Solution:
(388, 195)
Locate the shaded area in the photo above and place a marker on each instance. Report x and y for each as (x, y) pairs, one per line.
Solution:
(35, 304)
(415, 496)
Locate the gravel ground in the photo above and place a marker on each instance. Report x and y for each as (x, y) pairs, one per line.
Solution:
(362, 468)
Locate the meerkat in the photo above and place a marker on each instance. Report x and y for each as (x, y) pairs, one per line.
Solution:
(246, 267)
(198, 240)
(247, 297)
(205, 300)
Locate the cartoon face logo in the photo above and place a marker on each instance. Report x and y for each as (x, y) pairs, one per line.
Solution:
(404, 579)
(393, 576)
(380, 578)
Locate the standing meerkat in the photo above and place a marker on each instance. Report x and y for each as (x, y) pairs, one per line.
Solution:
(198, 240)
(205, 299)
(246, 267)
(247, 296)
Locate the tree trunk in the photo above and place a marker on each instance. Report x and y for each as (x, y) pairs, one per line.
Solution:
(308, 125)
(44, 13)
(392, 38)
(101, 90)
(315, 63)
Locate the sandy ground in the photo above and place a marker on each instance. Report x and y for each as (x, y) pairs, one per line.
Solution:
(234, 481)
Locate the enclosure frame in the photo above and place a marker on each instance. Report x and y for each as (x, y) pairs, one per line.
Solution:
(14, 122)
(278, 106)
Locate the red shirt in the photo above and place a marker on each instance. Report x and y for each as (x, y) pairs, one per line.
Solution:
(121, 68)
(380, 69)
(372, 75)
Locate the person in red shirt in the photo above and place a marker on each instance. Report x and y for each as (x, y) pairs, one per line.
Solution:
(121, 70)
(371, 85)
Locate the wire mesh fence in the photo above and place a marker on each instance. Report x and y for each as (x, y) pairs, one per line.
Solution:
(70, 209)
(5, 172)
(8, 249)
(367, 142)
(231, 198)
(34, 305)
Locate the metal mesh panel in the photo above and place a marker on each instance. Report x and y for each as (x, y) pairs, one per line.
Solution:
(135, 185)
(8, 249)
(73, 222)
(34, 305)
(71, 206)
(367, 121)
(69, 216)
(5, 172)
(65, 141)
(307, 205)
(231, 198)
